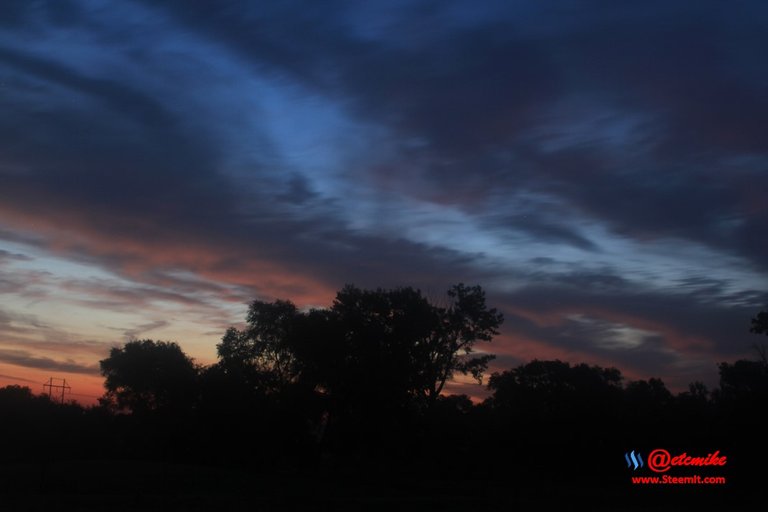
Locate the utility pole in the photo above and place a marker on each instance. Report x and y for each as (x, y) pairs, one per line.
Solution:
(64, 387)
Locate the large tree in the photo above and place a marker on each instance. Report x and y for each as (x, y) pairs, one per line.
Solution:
(145, 375)
(466, 321)
(261, 357)
(370, 345)
(373, 349)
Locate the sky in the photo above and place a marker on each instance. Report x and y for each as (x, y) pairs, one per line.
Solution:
(600, 168)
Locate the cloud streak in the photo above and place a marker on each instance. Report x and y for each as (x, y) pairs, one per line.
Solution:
(27, 360)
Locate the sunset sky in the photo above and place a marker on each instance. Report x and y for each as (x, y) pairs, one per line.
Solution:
(599, 167)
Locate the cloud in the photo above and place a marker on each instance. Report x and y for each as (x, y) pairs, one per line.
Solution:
(679, 337)
(543, 229)
(28, 360)
(17, 379)
(114, 95)
(19, 322)
(11, 256)
(139, 330)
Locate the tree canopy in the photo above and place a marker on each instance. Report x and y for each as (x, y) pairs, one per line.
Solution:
(147, 375)
(369, 345)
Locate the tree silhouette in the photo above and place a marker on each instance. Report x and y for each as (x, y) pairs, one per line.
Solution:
(416, 346)
(145, 376)
(760, 323)
(648, 393)
(375, 348)
(362, 369)
(374, 344)
(743, 379)
(465, 322)
(555, 388)
(261, 356)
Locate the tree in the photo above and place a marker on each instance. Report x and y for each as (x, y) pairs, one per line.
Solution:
(648, 402)
(760, 323)
(744, 379)
(145, 376)
(15, 395)
(553, 388)
(365, 368)
(260, 356)
(371, 344)
(465, 322)
(395, 345)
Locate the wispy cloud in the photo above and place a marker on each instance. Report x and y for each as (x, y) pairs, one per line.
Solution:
(139, 330)
(28, 360)
(16, 378)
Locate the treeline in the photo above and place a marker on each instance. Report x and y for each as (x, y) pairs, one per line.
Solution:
(358, 389)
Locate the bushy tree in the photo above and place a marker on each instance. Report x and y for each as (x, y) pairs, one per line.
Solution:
(261, 357)
(555, 388)
(370, 344)
(146, 375)
(760, 323)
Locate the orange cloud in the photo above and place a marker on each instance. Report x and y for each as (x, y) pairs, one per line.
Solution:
(138, 253)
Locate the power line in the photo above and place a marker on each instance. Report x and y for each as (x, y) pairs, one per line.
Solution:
(64, 387)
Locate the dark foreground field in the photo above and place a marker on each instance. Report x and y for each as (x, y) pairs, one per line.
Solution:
(128, 486)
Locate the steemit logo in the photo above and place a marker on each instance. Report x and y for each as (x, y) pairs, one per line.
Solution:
(633, 458)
